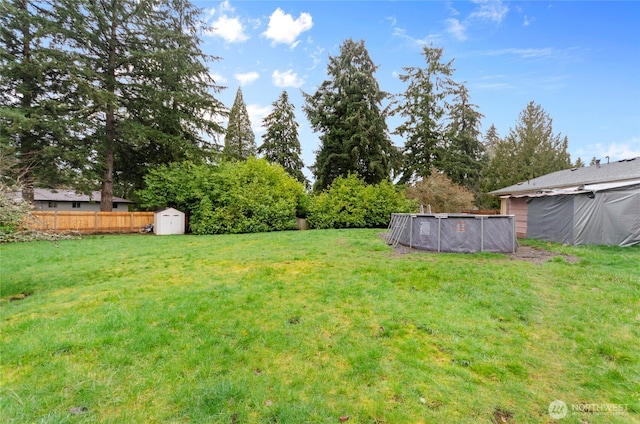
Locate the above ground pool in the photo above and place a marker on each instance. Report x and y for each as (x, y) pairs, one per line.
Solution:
(463, 233)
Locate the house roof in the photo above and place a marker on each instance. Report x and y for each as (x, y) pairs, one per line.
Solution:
(61, 195)
(619, 171)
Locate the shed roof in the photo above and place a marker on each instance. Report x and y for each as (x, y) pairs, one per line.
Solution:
(62, 195)
(168, 209)
(623, 170)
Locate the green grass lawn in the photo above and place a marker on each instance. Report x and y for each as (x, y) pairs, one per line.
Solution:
(312, 326)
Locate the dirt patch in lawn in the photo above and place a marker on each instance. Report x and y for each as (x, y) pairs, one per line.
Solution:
(540, 256)
(20, 296)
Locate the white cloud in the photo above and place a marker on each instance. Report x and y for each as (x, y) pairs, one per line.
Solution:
(528, 21)
(490, 10)
(615, 151)
(208, 13)
(435, 39)
(284, 29)
(316, 57)
(218, 78)
(569, 55)
(225, 6)
(256, 115)
(456, 28)
(247, 77)
(287, 78)
(525, 53)
(494, 82)
(521, 83)
(229, 29)
(255, 22)
(452, 10)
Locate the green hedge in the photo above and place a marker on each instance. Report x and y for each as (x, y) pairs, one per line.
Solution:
(351, 203)
(235, 197)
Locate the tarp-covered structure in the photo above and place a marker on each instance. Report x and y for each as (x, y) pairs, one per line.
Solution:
(599, 204)
(459, 233)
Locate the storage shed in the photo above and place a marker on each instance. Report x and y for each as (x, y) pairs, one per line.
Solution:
(598, 204)
(168, 221)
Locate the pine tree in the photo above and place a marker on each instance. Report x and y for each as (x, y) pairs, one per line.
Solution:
(423, 105)
(530, 150)
(346, 110)
(491, 140)
(280, 142)
(463, 155)
(140, 75)
(239, 141)
(32, 95)
(176, 116)
(579, 163)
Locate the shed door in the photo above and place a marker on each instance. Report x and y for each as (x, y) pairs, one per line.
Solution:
(171, 222)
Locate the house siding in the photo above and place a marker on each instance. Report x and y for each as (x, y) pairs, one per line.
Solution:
(44, 205)
(519, 208)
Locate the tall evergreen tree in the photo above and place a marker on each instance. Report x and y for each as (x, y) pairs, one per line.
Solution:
(423, 106)
(142, 81)
(280, 142)
(530, 150)
(346, 110)
(176, 117)
(463, 154)
(491, 140)
(239, 141)
(32, 95)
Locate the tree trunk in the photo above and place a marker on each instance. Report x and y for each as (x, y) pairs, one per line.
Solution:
(106, 193)
(27, 141)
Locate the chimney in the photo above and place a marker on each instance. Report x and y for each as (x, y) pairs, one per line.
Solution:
(597, 163)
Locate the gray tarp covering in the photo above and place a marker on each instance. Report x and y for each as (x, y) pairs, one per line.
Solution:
(454, 233)
(610, 217)
(551, 218)
(588, 228)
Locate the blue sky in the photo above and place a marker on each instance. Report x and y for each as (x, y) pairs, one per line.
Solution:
(579, 60)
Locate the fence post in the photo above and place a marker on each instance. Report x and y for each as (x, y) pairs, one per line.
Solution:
(482, 233)
(513, 239)
(439, 224)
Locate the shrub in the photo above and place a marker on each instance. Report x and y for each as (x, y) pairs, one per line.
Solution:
(178, 185)
(254, 196)
(15, 217)
(351, 203)
(235, 197)
(441, 193)
(12, 214)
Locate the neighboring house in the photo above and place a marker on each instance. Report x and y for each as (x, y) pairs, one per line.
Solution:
(599, 204)
(68, 200)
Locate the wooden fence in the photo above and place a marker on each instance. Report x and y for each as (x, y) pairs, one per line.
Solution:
(90, 222)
